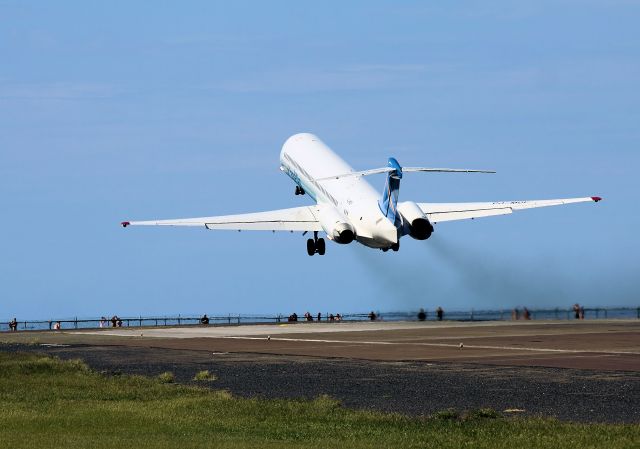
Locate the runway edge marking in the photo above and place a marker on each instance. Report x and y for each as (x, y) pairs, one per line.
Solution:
(444, 345)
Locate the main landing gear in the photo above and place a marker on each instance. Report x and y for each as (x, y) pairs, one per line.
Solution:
(299, 190)
(394, 247)
(315, 245)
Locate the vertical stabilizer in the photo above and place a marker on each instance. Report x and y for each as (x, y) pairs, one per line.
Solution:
(389, 201)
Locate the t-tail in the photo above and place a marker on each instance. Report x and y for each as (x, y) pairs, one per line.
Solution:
(389, 201)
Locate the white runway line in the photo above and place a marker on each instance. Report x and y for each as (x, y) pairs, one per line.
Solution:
(443, 345)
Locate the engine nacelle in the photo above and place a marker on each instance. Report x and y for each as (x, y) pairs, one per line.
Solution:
(419, 226)
(336, 225)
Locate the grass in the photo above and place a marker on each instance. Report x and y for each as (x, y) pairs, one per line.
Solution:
(45, 400)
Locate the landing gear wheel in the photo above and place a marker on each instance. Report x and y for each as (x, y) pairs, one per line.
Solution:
(395, 246)
(320, 246)
(311, 247)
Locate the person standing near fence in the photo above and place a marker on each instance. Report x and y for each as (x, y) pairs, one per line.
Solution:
(13, 325)
(576, 311)
(440, 313)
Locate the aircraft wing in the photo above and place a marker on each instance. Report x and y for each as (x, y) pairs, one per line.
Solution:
(295, 219)
(438, 212)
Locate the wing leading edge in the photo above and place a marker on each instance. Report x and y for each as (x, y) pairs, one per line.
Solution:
(294, 219)
(438, 212)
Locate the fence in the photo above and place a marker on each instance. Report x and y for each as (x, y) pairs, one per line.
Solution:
(465, 315)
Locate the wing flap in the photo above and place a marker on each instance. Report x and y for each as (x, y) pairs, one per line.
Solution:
(438, 212)
(437, 217)
(294, 219)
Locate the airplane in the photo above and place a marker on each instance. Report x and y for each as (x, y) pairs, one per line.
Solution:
(347, 208)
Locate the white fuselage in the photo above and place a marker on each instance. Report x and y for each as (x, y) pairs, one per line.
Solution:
(306, 159)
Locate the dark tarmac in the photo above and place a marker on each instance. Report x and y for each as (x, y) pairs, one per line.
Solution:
(575, 371)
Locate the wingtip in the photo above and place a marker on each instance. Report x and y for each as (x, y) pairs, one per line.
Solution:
(596, 198)
(124, 224)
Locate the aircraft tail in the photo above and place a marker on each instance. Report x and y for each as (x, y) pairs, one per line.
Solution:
(389, 201)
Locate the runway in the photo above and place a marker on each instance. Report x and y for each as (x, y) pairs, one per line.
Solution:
(597, 345)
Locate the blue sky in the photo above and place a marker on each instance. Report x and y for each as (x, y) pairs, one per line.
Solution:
(135, 110)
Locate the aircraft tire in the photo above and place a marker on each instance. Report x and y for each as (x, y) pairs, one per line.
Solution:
(311, 247)
(321, 247)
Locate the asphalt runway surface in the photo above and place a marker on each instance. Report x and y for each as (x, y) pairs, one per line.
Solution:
(600, 345)
(576, 371)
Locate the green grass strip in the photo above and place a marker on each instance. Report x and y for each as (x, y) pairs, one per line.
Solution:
(46, 402)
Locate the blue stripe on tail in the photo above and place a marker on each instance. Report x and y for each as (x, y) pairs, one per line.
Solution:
(389, 201)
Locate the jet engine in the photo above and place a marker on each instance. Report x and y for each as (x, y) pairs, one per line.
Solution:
(417, 222)
(336, 225)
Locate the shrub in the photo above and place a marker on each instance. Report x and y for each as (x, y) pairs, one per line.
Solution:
(167, 377)
(448, 414)
(78, 365)
(483, 413)
(204, 375)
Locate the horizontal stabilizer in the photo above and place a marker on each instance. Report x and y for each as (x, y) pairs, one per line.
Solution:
(376, 171)
(444, 170)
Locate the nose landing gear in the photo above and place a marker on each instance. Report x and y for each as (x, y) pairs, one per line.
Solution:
(299, 190)
(316, 245)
